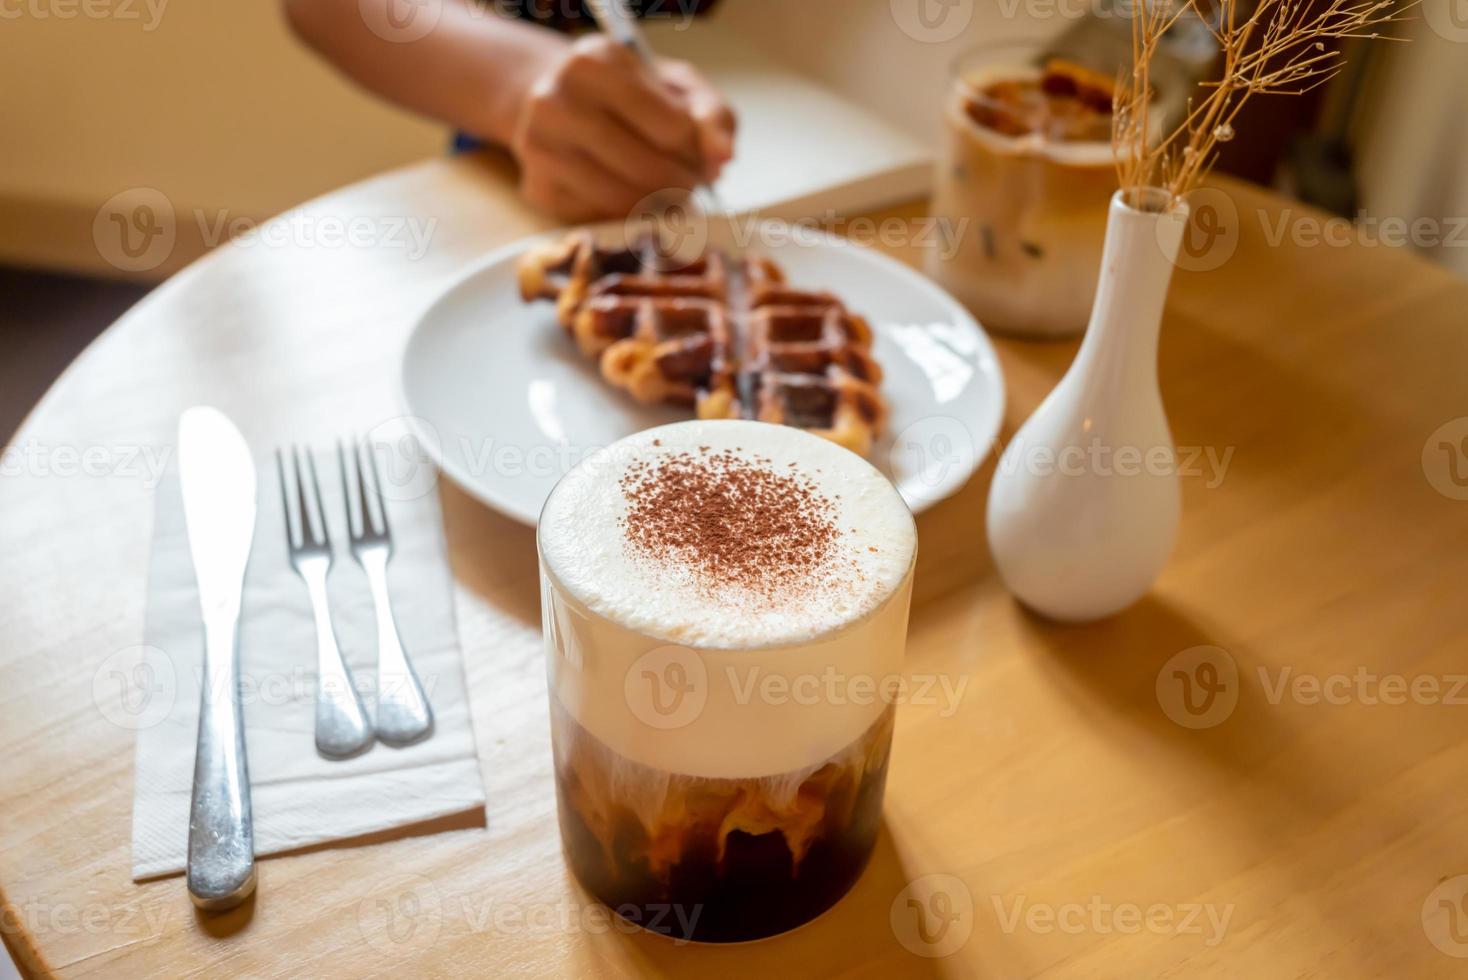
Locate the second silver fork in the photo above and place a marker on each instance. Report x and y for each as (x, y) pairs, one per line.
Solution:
(342, 728)
(403, 712)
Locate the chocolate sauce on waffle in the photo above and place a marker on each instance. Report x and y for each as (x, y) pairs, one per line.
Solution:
(723, 334)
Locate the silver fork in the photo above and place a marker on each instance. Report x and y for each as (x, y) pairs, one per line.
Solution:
(342, 728)
(403, 712)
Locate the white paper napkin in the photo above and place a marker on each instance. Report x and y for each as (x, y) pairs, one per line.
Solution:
(299, 798)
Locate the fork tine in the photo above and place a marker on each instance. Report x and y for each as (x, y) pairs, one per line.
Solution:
(303, 513)
(306, 515)
(285, 500)
(369, 449)
(320, 512)
(369, 522)
(353, 529)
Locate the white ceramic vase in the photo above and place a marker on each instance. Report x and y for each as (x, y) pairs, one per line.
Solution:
(1084, 506)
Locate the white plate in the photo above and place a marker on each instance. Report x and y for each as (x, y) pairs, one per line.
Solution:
(505, 404)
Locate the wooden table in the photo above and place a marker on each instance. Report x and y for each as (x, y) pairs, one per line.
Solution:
(1078, 829)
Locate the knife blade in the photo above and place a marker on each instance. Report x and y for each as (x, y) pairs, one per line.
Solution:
(217, 475)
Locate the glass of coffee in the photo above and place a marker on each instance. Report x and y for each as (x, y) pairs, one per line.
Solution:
(1027, 161)
(725, 612)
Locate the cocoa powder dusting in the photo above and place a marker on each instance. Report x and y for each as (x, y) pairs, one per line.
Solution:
(731, 521)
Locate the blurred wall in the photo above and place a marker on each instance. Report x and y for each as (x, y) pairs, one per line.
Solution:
(216, 107)
(893, 56)
(212, 104)
(1413, 134)
(1411, 138)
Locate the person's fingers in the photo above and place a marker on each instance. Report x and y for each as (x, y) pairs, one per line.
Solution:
(570, 206)
(714, 117)
(570, 166)
(600, 132)
(607, 141)
(565, 203)
(600, 72)
(561, 145)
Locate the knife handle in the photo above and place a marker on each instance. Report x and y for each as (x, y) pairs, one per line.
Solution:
(221, 836)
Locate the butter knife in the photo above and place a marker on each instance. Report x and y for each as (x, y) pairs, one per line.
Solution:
(218, 479)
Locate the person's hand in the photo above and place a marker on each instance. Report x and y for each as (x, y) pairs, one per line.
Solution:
(598, 131)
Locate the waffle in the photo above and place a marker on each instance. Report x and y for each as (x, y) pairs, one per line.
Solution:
(728, 338)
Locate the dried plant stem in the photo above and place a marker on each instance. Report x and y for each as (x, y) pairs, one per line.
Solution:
(1290, 58)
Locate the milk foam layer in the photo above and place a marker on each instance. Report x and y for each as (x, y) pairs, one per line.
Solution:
(1071, 153)
(584, 544)
(670, 676)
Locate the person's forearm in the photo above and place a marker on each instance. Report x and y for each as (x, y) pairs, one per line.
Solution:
(470, 70)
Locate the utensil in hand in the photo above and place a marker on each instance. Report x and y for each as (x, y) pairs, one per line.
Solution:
(403, 712)
(614, 17)
(217, 477)
(342, 728)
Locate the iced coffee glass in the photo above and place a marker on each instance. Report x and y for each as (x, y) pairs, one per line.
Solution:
(1027, 161)
(725, 611)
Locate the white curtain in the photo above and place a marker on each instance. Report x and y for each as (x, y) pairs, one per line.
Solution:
(1412, 136)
